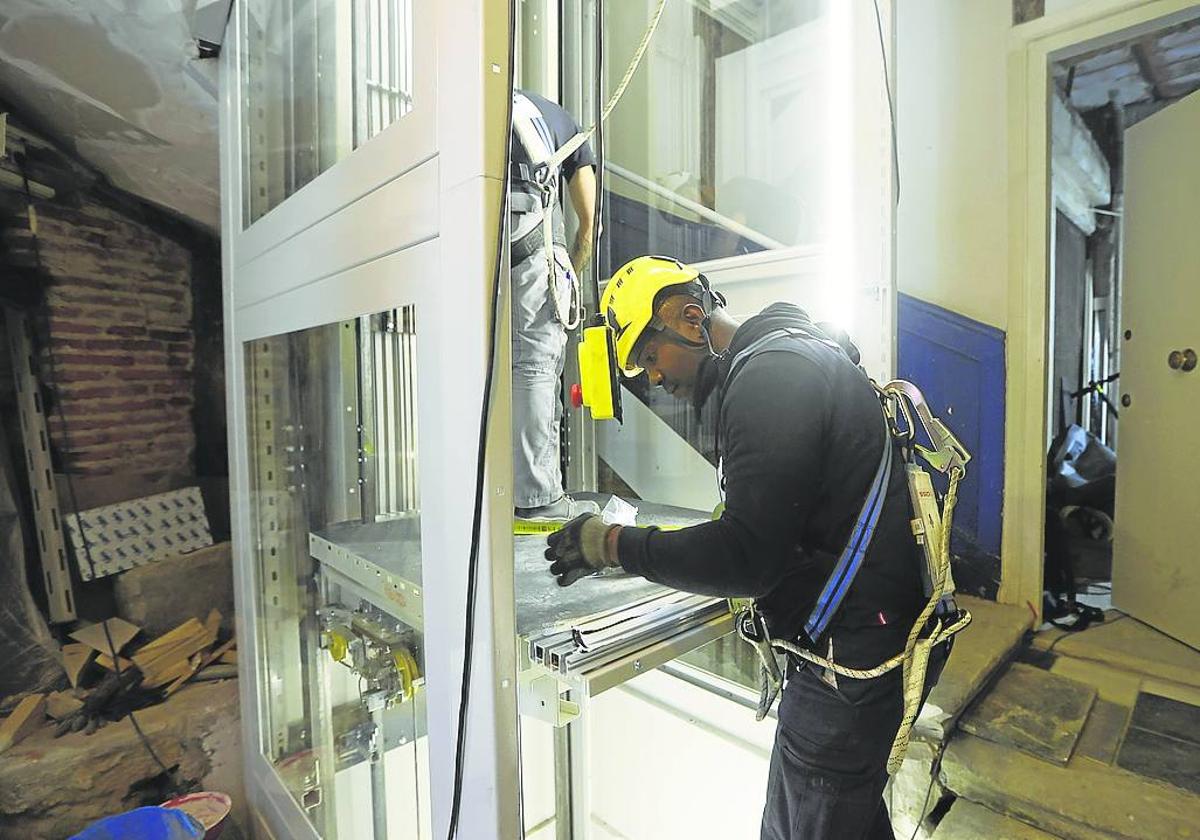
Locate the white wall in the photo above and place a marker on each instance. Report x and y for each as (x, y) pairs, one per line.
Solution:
(1055, 6)
(952, 220)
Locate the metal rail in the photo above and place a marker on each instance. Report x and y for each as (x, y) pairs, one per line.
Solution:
(706, 213)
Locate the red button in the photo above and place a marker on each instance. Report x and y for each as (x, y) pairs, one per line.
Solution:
(576, 395)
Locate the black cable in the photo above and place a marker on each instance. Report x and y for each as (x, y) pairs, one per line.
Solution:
(481, 456)
(52, 369)
(1069, 634)
(933, 771)
(599, 208)
(887, 84)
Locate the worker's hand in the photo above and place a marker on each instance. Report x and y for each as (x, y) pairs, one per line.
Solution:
(579, 549)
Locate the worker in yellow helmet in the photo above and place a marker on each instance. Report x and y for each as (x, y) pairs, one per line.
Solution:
(816, 528)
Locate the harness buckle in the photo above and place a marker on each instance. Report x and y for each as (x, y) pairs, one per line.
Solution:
(751, 626)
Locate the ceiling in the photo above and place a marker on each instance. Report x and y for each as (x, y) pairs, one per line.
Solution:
(1141, 75)
(120, 83)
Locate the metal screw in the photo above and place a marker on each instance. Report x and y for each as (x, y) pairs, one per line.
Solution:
(1126, 400)
(637, 664)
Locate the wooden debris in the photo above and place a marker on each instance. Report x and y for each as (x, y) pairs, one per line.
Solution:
(203, 660)
(166, 640)
(25, 718)
(168, 658)
(229, 657)
(220, 651)
(93, 635)
(213, 622)
(105, 661)
(60, 704)
(194, 665)
(217, 672)
(75, 657)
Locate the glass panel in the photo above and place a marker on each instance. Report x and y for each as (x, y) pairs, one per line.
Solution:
(336, 511)
(720, 145)
(383, 65)
(320, 78)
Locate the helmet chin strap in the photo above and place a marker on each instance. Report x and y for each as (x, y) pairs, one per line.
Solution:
(710, 300)
(708, 340)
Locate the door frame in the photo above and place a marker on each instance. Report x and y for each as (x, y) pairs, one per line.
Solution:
(1032, 48)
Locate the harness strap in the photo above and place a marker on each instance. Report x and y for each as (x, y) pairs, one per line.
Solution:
(837, 585)
(542, 175)
(851, 559)
(764, 343)
(940, 619)
(525, 176)
(532, 242)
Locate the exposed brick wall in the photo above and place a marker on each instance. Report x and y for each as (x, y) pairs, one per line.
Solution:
(119, 310)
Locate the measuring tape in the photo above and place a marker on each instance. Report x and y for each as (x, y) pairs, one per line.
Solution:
(526, 528)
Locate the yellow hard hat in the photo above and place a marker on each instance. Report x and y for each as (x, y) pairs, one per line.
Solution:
(628, 301)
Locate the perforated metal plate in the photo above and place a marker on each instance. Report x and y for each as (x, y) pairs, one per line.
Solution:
(138, 532)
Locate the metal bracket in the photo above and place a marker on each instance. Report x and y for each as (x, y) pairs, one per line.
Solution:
(35, 443)
(540, 696)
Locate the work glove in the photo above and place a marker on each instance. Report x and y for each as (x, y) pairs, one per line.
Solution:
(578, 549)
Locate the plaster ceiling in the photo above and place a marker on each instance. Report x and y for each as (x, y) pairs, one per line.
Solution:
(119, 83)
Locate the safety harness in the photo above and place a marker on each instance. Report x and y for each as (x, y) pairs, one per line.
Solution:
(540, 177)
(904, 413)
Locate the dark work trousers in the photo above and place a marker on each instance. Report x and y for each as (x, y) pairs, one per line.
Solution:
(829, 764)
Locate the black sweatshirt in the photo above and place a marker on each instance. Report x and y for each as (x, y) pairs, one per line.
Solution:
(800, 436)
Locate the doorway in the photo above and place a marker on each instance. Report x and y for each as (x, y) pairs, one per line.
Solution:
(1095, 97)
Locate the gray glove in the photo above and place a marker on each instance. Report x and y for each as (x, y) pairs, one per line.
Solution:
(578, 549)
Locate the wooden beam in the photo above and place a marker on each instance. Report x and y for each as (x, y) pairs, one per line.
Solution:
(27, 717)
(75, 657)
(1149, 63)
(1182, 69)
(1110, 46)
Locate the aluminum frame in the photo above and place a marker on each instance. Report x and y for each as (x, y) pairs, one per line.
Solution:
(409, 218)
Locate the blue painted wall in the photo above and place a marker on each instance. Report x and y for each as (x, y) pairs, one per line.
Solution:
(958, 364)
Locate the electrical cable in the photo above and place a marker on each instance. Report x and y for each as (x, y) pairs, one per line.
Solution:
(1068, 634)
(481, 451)
(52, 369)
(598, 212)
(887, 84)
(933, 771)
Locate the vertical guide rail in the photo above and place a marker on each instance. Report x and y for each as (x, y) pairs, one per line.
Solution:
(36, 444)
(370, 488)
(407, 337)
(389, 427)
(361, 60)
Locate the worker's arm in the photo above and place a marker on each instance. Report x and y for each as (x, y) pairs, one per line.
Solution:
(582, 189)
(775, 431)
